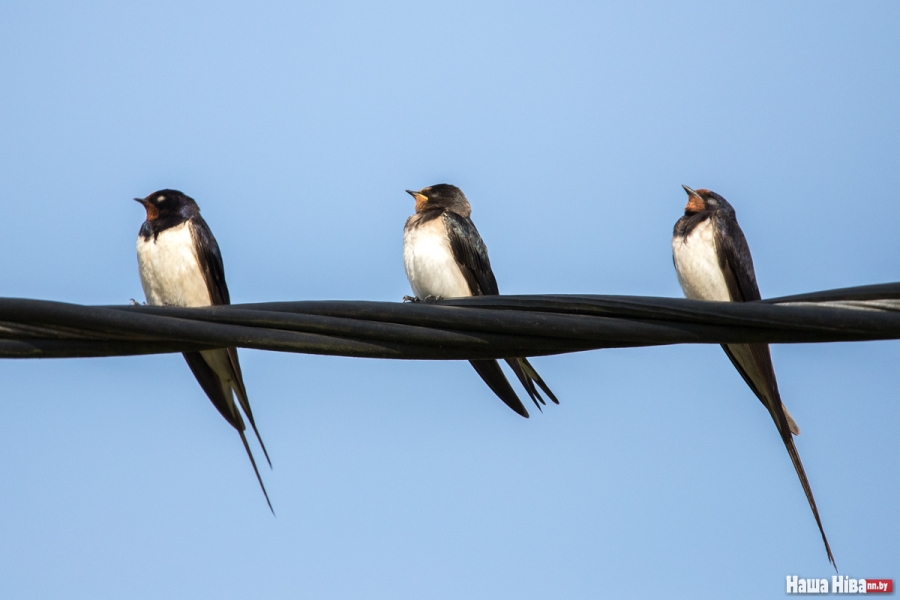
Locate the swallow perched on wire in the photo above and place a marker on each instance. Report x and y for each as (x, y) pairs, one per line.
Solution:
(180, 265)
(713, 262)
(445, 257)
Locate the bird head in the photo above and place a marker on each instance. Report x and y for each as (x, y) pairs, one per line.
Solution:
(442, 195)
(703, 200)
(165, 203)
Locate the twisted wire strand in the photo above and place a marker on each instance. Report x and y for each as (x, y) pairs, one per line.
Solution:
(452, 329)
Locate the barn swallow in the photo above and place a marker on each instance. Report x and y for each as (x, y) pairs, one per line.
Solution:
(713, 262)
(445, 257)
(180, 265)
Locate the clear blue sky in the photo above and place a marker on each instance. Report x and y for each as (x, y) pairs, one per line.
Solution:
(571, 127)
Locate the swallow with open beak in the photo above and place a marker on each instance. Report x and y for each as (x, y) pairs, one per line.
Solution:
(445, 257)
(713, 262)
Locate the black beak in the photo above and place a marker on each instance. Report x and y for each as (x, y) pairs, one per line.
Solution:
(412, 193)
(141, 200)
(689, 191)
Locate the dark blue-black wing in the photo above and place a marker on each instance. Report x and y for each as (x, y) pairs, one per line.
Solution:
(735, 259)
(737, 266)
(214, 273)
(210, 258)
(470, 254)
(490, 373)
(210, 261)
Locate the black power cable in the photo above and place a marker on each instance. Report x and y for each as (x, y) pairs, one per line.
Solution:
(464, 328)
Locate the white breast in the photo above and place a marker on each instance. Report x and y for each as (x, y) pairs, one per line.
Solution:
(169, 268)
(697, 265)
(430, 266)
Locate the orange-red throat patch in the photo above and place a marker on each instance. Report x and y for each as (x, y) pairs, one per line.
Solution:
(421, 201)
(152, 211)
(695, 204)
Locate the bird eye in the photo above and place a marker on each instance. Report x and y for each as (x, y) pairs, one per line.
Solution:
(160, 199)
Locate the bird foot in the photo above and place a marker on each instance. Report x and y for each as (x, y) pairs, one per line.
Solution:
(430, 298)
(136, 303)
(410, 299)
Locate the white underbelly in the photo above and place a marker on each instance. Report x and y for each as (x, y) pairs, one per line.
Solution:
(170, 271)
(430, 266)
(697, 265)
